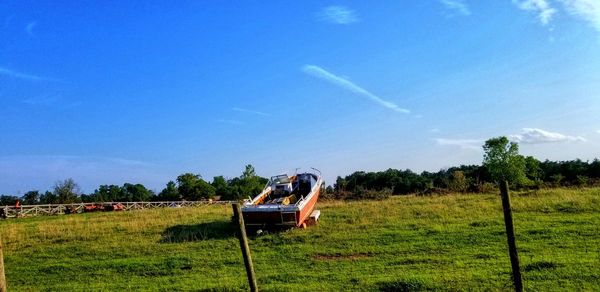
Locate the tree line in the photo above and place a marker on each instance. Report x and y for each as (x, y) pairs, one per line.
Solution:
(501, 157)
(188, 186)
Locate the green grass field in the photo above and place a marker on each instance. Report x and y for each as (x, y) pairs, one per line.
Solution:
(454, 242)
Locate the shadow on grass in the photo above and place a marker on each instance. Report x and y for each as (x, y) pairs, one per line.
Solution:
(540, 266)
(222, 229)
(405, 285)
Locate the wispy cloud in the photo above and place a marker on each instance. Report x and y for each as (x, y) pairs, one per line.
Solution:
(18, 75)
(29, 28)
(538, 136)
(542, 8)
(588, 10)
(472, 144)
(243, 110)
(321, 73)
(457, 6)
(231, 122)
(598, 131)
(338, 15)
(43, 100)
(434, 130)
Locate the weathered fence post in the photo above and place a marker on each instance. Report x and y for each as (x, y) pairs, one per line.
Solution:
(2, 276)
(237, 213)
(510, 236)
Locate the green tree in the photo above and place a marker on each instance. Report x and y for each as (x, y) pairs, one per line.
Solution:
(458, 182)
(340, 184)
(170, 193)
(7, 200)
(246, 185)
(250, 184)
(503, 161)
(221, 186)
(249, 172)
(48, 198)
(136, 193)
(67, 191)
(108, 193)
(31, 198)
(533, 171)
(192, 187)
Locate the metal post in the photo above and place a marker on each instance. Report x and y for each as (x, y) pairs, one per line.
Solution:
(2, 276)
(510, 236)
(237, 214)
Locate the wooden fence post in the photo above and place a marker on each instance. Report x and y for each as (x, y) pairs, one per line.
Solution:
(2, 276)
(510, 236)
(237, 213)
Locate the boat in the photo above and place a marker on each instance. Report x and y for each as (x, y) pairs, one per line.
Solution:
(286, 201)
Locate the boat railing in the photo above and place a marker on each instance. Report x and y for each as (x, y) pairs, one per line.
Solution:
(320, 174)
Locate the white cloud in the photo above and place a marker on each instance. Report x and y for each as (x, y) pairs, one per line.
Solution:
(321, 73)
(458, 6)
(337, 15)
(588, 10)
(537, 136)
(434, 130)
(29, 27)
(243, 110)
(473, 144)
(542, 8)
(598, 131)
(14, 74)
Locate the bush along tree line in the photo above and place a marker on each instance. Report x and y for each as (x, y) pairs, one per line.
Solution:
(188, 186)
(501, 159)
(528, 172)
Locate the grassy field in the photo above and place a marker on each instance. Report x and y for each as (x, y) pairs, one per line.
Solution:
(453, 242)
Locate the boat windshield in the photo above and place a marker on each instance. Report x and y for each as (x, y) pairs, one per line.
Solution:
(280, 179)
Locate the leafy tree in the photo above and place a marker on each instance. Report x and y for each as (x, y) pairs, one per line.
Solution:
(108, 193)
(135, 193)
(557, 178)
(458, 182)
(249, 172)
(170, 193)
(31, 198)
(85, 198)
(222, 188)
(246, 185)
(533, 171)
(250, 184)
(340, 184)
(192, 187)
(49, 198)
(582, 180)
(67, 191)
(503, 161)
(329, 190)
(7, 200)
(594, 169)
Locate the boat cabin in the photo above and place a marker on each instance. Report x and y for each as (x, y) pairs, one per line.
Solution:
(287, 190)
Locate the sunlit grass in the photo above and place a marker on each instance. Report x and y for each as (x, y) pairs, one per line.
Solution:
(455, 242)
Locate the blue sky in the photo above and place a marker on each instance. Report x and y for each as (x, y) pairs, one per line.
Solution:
(109, 92)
